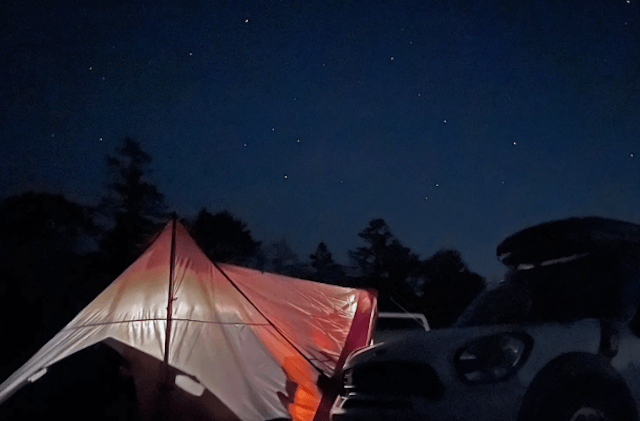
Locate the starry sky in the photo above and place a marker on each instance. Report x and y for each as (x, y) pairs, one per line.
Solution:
(458, 122)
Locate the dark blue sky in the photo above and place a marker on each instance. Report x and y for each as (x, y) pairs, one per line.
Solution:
(457, 122)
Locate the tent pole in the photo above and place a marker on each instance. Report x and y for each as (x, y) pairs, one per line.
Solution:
(167, 337)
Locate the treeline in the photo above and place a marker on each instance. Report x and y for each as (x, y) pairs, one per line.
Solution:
(57, 255)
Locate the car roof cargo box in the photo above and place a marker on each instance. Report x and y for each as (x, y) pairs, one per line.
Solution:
(567, 239)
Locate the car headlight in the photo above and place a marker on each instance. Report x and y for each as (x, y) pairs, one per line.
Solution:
(492, 358)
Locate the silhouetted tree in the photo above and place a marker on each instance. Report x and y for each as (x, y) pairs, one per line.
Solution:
(282, 259)
(327, 270)
(448, 288)
(322, 258)
(224, 238)
(386, 265)
(48, 222)
(134, 206)
(44, 239)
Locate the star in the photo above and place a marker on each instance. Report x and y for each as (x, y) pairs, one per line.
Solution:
(246, 21)
(298, 140)
(190, 54)
(391, 58)
(286, 176)
(100, 140)
(426, 198)
(631, 154)
(514, 143)
(245, 144)
(445, 121)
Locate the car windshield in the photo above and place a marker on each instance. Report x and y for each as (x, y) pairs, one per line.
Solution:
(504, 304)
(556, 293)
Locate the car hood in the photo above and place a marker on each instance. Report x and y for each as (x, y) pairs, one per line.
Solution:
(421, 346)
(438, 347)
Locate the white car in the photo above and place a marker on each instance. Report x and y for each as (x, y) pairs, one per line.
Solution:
(557, 340)
(392, 326)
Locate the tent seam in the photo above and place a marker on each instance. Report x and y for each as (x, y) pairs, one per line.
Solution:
(164, 319)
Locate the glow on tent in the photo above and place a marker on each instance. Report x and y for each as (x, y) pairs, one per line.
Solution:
(242, 344)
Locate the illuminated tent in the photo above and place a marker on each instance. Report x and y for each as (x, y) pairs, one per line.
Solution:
(243, 345)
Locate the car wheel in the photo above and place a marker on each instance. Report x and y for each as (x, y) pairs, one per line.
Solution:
(578, 395)
(587, 413)
(579, 403)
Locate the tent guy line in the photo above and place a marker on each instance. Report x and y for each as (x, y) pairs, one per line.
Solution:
(163, 319)
(262, 314)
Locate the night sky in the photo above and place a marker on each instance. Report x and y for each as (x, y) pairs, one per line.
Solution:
(458, 122)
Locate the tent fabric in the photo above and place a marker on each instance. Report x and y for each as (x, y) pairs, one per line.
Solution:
(257, 341)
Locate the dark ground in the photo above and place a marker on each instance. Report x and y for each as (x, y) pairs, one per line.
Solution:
(85, 386)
